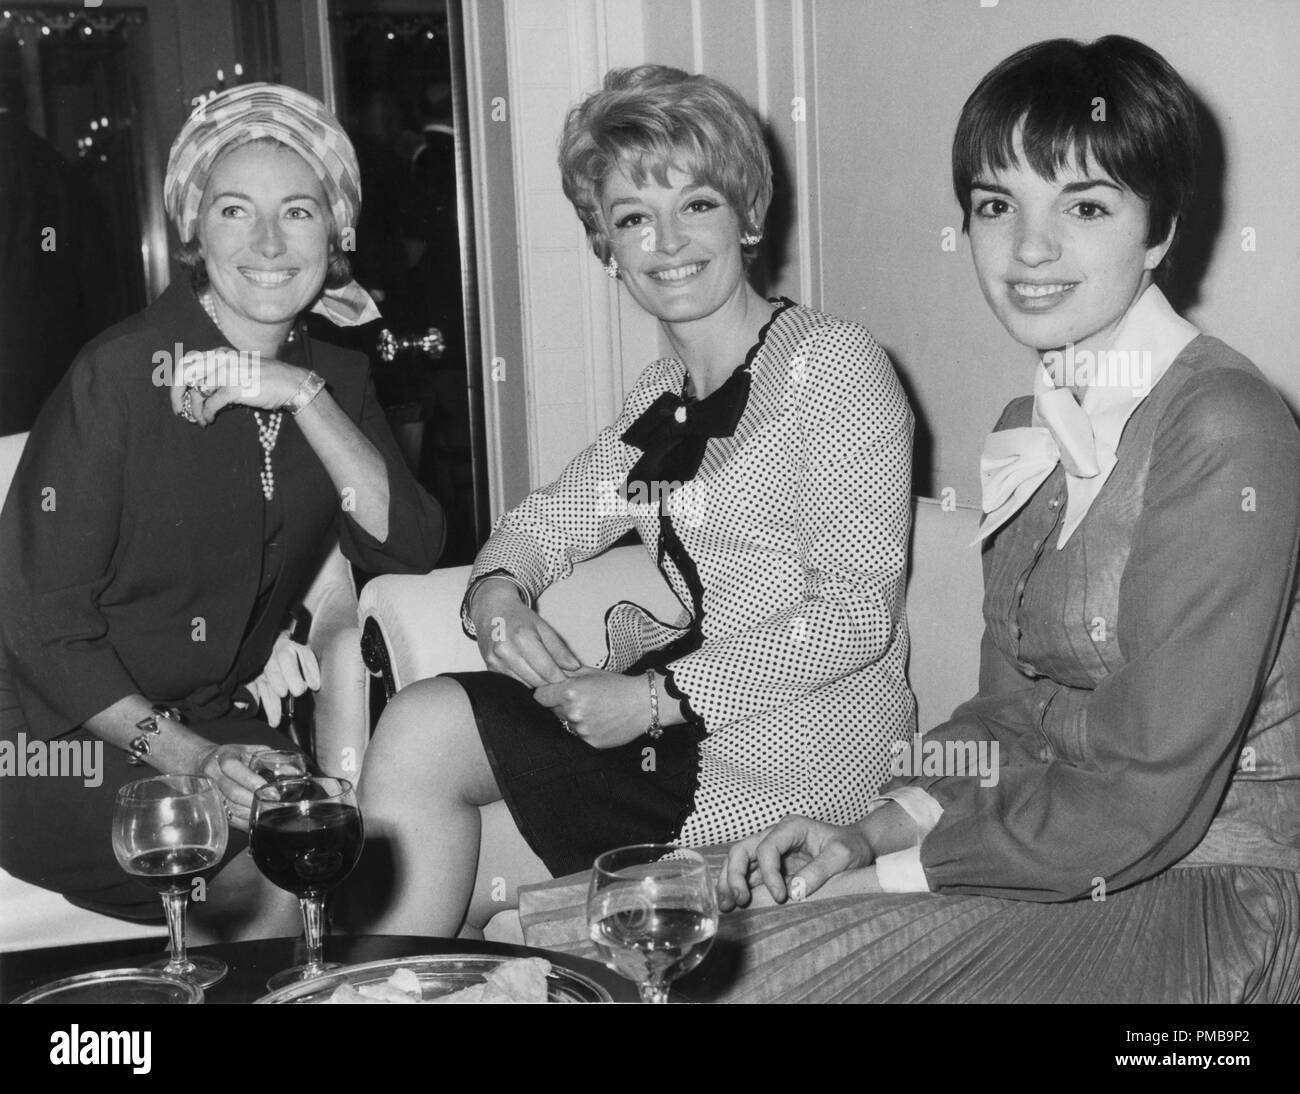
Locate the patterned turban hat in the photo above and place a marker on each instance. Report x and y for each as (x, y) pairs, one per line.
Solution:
(256, 111)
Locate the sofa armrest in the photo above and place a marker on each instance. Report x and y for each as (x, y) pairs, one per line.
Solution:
(945, 620)
(339, 728)
(411, 625)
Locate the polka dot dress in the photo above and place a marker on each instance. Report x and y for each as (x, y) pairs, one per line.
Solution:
(797, 525)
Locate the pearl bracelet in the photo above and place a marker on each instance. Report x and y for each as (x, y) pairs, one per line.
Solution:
(307, 390)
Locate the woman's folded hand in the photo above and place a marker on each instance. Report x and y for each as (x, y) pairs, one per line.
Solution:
(515, 640)
(790, 861)
(605, 709)
(228, 768)
(207, 382)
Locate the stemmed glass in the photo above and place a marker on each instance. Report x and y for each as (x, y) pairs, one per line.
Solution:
(652, 914)
(275, 764)
(167, 831)
(306, 836)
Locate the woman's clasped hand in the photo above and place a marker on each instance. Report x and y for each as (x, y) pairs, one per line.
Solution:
(792, 860)
(229, 768)
(604, 709)
(212, 380)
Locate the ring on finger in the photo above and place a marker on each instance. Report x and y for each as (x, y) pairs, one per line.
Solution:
(205, 391)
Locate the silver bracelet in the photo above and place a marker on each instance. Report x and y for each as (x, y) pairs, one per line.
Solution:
(524, 595)
(310, 387)
(141, 746)
(655, 731)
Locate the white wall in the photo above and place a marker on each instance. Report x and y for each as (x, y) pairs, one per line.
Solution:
(861, 97)
(891, 80)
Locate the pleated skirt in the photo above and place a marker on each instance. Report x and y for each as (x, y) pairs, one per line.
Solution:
(1206, 934)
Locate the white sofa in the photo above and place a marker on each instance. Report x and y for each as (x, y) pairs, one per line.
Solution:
(31, 917)
(408, 628)
(411, 626)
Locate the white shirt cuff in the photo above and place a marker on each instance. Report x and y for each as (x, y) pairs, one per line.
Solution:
(916, 803)
(901, 872)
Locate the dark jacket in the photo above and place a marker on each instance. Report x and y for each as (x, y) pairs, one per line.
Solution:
(132, 542)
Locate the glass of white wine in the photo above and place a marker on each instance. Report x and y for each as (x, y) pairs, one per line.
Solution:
(168, 831)
(652, 914)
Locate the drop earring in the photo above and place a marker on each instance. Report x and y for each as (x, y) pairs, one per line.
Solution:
(751, 239)
(611, 268)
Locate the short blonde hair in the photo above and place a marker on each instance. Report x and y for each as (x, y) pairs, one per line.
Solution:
(653, 118)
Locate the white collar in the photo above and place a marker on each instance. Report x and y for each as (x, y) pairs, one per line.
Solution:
(1084, 435)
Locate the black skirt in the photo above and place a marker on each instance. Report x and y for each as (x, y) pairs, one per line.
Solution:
(570, 801)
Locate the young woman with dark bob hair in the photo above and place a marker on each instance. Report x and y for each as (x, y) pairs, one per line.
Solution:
(765, 466)
(1140, 669)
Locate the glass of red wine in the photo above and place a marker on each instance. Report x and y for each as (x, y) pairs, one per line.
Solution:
(306, 836)
(168, 831)
(652, 914)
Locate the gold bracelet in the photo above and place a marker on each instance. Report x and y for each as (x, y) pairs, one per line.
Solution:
(307, 390)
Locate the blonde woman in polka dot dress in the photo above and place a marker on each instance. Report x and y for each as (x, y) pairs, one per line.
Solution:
(765, 465)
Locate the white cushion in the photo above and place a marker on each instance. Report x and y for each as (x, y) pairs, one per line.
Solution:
(32, 917)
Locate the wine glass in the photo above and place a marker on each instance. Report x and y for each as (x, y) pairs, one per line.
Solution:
(167, 831)
(652, 914)
(274, 764)
(306, 836)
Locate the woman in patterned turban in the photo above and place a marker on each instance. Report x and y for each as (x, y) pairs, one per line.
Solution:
(174, 498)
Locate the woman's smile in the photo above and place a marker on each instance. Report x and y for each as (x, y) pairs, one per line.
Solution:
(676, 275)
(268, 279)
(1039, 296)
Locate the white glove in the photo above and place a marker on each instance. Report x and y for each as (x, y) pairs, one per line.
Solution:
(291, 670)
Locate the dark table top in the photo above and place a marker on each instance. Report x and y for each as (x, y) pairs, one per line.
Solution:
(251, 963)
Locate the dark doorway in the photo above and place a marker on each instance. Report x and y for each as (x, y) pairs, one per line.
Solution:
(396, 83)
(73, 192)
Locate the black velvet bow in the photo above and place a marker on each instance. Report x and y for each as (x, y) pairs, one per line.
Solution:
(674, 431)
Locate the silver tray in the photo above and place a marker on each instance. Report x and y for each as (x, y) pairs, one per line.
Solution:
(441, 975)
(116, 986)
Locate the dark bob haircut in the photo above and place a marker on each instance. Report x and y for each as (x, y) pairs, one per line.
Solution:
(1114, 99)
(653, 118)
